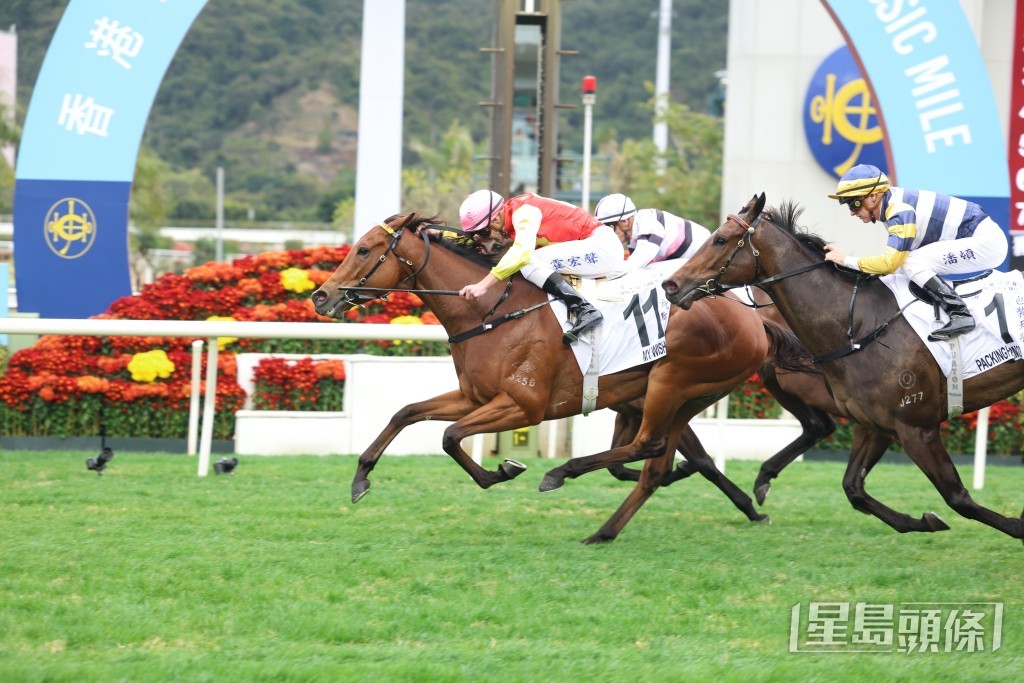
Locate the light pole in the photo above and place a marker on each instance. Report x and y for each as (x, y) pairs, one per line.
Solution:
(589, 90)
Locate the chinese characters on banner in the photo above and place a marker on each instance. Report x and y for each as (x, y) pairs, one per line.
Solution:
(78, 150)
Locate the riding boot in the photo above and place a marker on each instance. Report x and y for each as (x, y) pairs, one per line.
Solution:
(585, 315)
(960, 320)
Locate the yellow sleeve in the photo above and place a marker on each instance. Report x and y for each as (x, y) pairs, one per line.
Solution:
(885, 263)
(526, 222)
(901, 238)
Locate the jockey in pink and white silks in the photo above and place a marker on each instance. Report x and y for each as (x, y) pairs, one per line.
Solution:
(649, 235)
(930, 234)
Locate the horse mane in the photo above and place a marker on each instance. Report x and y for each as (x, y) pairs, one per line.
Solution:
(786, 217)
(414, 222)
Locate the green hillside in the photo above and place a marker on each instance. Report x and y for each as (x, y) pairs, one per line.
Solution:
(269, 89)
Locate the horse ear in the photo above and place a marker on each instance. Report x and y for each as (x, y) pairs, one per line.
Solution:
(758, 205)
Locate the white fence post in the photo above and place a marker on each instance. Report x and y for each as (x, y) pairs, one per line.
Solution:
(209, 406)
(980, 449)
(193, 403)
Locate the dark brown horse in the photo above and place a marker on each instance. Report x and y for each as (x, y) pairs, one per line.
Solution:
(873, 384)
(518, 373)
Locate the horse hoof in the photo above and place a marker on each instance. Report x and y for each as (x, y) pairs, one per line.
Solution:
(934, 522)
(762, 519)
(597, 538)
(550, 483)
(359, 489)
(512, 468)
(761, 493)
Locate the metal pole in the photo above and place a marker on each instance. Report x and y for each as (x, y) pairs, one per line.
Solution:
(209, 407)
(193, 404)
(589, 90)
(220, 214)
(661, 82)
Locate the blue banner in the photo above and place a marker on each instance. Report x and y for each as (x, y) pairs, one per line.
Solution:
(942, 129)
(79, 146)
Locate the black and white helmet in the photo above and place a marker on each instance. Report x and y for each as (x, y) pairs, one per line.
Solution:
(614, 208)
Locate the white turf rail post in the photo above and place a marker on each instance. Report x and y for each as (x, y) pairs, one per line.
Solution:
(209, 406)
(193, 404)
(980, 448)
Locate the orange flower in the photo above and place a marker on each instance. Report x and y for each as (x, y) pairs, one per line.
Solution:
(333, 369)
(92, 385)
(46, 393)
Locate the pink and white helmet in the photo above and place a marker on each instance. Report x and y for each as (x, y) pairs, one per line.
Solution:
(479, 209)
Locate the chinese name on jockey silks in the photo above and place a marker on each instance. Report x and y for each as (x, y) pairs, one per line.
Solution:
(650, 235)
(549, 238)
(930, 234)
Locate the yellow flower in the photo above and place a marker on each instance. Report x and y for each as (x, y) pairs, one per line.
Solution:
(223, 341)
(406, 320)
(148, 365)
(296, 280)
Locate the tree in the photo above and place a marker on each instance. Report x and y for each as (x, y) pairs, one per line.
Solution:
(444, 176)
(687, 178)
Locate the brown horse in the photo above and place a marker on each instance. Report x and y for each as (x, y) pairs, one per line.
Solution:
(885, 362)
(518, 374)
(802, 392)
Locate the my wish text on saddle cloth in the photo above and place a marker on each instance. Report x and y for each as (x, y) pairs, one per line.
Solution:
(635, 314)
(997, 304)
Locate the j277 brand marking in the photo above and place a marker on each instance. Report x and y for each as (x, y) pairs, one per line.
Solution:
(912, 398)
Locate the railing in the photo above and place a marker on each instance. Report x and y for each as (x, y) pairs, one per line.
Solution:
(210, 330)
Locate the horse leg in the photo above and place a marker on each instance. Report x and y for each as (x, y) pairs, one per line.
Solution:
(925, 448)
(816, 424)
(649, 442)
(700, 461)
(626, 426)
(653, 472)
(500, 414)
(868, 448)
(447, 408)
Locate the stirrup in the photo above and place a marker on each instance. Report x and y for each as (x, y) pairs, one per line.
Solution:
(954, 328)
(573, 334)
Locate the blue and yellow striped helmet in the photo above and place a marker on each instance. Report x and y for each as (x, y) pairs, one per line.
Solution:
(860, 181)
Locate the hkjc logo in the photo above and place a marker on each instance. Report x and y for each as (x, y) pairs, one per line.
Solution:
(70, 228)
(840, 120)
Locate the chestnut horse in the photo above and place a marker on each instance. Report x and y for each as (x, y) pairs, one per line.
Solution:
(835, 311)
(514, 371)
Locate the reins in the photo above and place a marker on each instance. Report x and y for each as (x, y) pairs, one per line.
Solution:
(396, 235)
(714, 285)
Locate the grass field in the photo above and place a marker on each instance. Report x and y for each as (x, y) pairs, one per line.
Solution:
(149, 573)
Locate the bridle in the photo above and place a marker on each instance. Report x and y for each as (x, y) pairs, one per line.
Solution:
(361, 291)
(714, 285)
(396, 235)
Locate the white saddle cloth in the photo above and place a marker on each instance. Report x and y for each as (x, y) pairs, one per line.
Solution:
(635, 314)
(997, 303)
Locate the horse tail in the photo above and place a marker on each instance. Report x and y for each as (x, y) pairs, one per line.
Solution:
(786, 352)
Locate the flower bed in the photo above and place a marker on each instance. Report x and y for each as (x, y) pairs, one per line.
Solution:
(140, 386)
